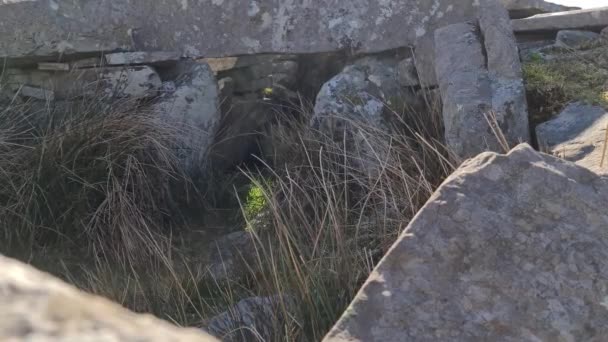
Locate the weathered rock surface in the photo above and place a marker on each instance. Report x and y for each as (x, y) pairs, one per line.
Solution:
(595, 18)
(232, 256)
(575, 39)
(347, 96)
(114, 82)
(526, 8)
(510, 248)
(134, 58)
(604, 36)
(480, 80)
(38, 307)
(219, 28)
(577, 134)
(360, 93)
(407, 73)
(80, 28)
(249, 320)
(193, 106)
(359, 108)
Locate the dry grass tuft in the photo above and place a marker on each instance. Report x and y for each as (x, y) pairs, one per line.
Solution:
(91, 175)
(99, 181)
(332, 211)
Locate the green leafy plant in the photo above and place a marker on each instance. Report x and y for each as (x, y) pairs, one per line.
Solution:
(255, 201)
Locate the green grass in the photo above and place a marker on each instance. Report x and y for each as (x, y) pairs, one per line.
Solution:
(552, 84)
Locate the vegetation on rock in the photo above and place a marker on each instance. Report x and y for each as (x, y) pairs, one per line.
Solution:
(567, 76)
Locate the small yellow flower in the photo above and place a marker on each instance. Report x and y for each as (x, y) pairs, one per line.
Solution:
(268, 91)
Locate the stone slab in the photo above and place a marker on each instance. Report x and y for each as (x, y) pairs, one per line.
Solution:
(519, 9)
(37, 93)
(479, 75)
(510, 248)
(38, 307)
(136, 58)
(133, 82)
(577, 134)
(595, 18)
(219, 28)
(54, 66)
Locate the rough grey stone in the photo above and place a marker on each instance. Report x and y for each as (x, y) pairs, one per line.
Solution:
(526, 8)
(466, 90)
(532, 51)
(502, 57)
(168, 87)
(595, 18)
(38, 307)
(230, 257)
(251, 319)
(37, 93)
(132, 82)
(510, 248)
(424, 59)
(359, 94)
(479, 76)
(604, 36)
(54, 66)
(86, 63)
(575, 39)
(406, 73)
(348, 94)
(383, 73)
(220, 28)
(192, 107)
(134, 58)
(577, 134)
(356, 105)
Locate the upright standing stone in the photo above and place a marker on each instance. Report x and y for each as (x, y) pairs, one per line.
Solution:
(480, 80)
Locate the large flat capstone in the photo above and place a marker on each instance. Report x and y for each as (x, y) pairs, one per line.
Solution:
(595, 18)
(510, 248)
(526, 8)
(218, 28)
